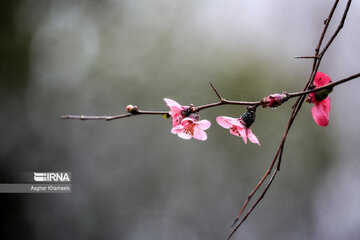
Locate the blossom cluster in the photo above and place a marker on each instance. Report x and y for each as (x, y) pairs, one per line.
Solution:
(186, 121)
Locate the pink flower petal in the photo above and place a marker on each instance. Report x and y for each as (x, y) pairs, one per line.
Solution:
(227, 122)
(187, 120)
(224, 122)
(184, 135)
(175, 111)
(321, 111)
(321, 79)
(176, 115)
(244, 135)
(252, 137)
(172, 103)
(177, 129)
(199, 133)
(204, 124)
(176, 120)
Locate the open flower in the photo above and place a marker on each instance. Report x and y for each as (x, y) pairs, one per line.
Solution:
(176, 111)
(321, 109)
(237, 128)
(190, 127)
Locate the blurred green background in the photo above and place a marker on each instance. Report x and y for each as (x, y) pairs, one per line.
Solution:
(132, 178)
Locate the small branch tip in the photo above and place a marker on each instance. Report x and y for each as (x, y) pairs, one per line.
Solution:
(217, 92)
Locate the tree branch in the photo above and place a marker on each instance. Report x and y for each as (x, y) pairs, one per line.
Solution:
(296, 109)
(223, 101)
(277, 159)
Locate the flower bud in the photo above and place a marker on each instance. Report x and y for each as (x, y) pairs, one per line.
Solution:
(248, 118)
(131, 109)
(274, 100)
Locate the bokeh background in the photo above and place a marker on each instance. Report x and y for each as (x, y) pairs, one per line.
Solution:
(133, 179)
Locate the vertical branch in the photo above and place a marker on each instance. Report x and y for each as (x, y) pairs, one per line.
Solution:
(296, 108)
(340, 26)
(332, 38)
(327, 22)
(255, 204)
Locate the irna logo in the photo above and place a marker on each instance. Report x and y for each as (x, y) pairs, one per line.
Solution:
(52, 177)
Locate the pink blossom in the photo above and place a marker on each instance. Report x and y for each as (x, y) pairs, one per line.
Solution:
(237, 128)
(190, 127)
(176, 111)
(322, 104)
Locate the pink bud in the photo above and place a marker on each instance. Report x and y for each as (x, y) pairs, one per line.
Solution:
(131, 109)
(274, 100)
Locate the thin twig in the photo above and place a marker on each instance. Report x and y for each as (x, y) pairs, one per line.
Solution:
(217, 92)
(210, 105)
(83, 117)
(327, 22)
(317, 62)
(227, 102)
(311, 57)
(340, 26)
(268, 171)
(255, 204)
(138, 112)
(109, 118)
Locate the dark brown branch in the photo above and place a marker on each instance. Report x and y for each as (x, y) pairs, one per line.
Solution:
(109, 118)
(83, 117)
(340, 26)
(331, 85)
(327, 22)
(227, 102)
(140, 112)
(210, 105)
(311, 57)
(255, 204)
(280, 149)
(296, 109)
(277, 157)
(257, 187)
(217, 93)
(317, 62)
